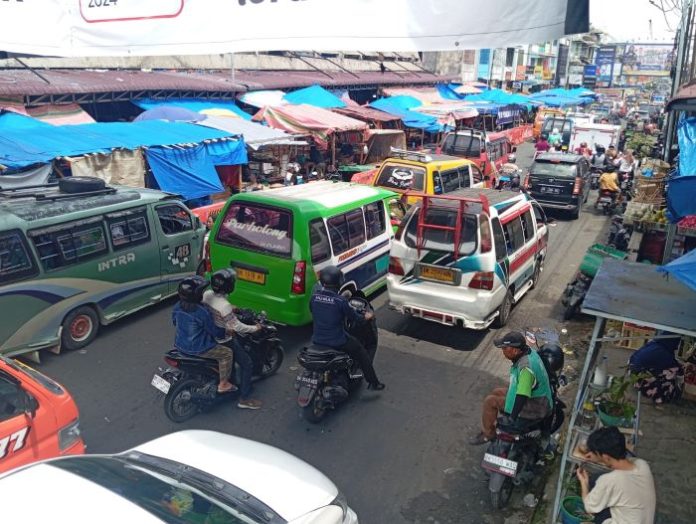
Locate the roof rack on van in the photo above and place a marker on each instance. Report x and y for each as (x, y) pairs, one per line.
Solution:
(404, 154)
(42, 194)
(462, 203)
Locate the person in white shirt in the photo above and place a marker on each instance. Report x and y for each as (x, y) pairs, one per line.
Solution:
(215, 299)
(627, 492)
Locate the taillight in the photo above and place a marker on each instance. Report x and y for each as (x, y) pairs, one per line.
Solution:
(576, 186)
(298, 278)
(482, 280)
(170, 361)
(395, 267)
(206, 258)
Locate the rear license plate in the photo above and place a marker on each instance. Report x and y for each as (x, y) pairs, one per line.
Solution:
(161, 384)
(551, 190)
(251, 276)
(437, 274)
(310, 381)
(499, 464)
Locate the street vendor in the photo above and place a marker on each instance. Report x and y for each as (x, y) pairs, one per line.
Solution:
(626, 495)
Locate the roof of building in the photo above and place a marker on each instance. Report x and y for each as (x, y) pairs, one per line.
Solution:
(684, 100)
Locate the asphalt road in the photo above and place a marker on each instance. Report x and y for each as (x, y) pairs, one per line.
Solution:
(399, 456)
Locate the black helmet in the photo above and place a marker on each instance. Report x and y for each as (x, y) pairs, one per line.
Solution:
(191, 289)
(553, 357)
(223, 281)
(331, 277)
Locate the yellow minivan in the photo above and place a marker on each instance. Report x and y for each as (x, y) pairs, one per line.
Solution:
(426, 173)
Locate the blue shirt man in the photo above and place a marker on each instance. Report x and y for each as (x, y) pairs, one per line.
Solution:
(196, 331)
(329, 312)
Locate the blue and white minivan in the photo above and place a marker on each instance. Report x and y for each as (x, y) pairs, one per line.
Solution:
(465, 258)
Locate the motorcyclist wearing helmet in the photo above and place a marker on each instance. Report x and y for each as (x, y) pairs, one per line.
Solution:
(609, 184)
(330, 311)
(528, 395)
(215, 299)
(196, 332)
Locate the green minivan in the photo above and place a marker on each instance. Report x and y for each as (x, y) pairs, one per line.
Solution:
(79, 254)
(279, 239)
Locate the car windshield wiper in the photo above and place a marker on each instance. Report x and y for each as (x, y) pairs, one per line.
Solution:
(210, 485)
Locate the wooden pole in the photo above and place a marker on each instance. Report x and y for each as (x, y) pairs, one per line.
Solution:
(333, 151)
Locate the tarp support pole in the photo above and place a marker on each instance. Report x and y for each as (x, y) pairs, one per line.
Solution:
(333, 151)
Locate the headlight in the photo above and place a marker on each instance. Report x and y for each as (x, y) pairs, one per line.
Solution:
(341, 502)
(69, 435)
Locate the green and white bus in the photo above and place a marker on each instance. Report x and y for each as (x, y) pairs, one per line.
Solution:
(80, 255)
(278, 240)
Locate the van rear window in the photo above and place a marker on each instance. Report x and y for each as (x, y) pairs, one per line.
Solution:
(442, 240)
(462, 145)
(257, 228)
(554, 169)
(402, 177)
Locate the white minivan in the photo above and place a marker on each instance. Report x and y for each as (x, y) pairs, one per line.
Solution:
(465, 258)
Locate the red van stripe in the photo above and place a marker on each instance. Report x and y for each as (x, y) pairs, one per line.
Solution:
(522, 258)
(504, 219)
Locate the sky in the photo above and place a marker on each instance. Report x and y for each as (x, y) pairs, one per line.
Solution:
(627, 20)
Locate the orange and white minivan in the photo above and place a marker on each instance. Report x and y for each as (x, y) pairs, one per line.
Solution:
(38, 417)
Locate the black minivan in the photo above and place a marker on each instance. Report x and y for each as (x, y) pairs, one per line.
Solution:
(560, 181)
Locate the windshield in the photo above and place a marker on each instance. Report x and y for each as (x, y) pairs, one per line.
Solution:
(554, 169)
(170, 499)
(402, 177)
(462, 145)
(42, 379)
(257, 228)
(562, 124)
(440, 240)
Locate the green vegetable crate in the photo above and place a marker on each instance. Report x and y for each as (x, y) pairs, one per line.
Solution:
(594, 256)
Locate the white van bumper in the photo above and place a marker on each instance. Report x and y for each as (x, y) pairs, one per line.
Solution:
(448, 305)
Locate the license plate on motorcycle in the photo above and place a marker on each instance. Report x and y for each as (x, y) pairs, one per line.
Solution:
(311, 381)
(161, 384)
(499, 465)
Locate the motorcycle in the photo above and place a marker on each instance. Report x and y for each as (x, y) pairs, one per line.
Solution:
(619, 234)
(190, 382)
(607, 202)
(329, 375)
(519, 449)
(595, 173)
(574, 294)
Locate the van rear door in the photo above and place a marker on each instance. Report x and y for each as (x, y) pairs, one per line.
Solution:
(552, 181)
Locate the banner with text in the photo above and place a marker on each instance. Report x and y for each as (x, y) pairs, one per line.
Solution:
(74, 28)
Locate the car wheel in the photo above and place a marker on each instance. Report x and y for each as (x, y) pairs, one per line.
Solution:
(80, 326)
(504, 311)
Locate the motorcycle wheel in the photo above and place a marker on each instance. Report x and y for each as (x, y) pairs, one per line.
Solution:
(177, 404)
(273, 361)
(499, 499)
(314, 412)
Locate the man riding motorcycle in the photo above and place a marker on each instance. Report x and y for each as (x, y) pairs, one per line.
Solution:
(330, 310)
(196, 332)
(527, 397)
(222, 284)
(599, 159)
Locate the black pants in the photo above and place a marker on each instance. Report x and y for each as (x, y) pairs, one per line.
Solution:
(358, 353)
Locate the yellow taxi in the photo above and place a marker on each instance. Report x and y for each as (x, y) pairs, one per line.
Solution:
(426, 173)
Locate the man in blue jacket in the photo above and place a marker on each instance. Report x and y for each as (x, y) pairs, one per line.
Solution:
(330, 310)
(196, 332)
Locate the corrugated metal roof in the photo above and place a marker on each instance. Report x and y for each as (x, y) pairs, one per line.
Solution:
(14, 82)
(366, 114)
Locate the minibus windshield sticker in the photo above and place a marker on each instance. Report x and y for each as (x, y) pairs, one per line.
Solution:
(260, 235)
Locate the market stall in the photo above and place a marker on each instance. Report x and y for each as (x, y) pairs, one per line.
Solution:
(637, 295)
(373, 117)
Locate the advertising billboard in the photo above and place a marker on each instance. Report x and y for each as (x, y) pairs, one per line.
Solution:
(647, 59)
(604, 59)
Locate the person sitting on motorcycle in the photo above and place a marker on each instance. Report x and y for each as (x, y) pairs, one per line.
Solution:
(528, 395)
(221, 285)
(330, 311)
(608, 183)
(542, 145)
(599, 159)
(196, 332)
(583, 149)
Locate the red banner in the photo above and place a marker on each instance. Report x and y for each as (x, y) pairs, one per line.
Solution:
(209, 213)
(519, 134)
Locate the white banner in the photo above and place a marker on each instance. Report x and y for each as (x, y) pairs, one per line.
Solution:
(75, 28)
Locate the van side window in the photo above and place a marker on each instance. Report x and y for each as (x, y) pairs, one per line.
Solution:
(15, 260)
(12, 400)
(374, 219)
(70, 244)
(449, 180)
(499, 240)
(465, 176)
(485, 234)
(514, 237)
(539, 214)
(528, 225)
(319, 241)
(128, 228)
(346, 231)
(174, 219)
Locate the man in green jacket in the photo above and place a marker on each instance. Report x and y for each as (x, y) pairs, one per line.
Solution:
(527, 397)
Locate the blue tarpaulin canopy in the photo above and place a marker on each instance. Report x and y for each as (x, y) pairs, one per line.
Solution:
(400, 106)
(195, 105)
(314, 96)
(25, 145)
(188, 171)
(683, 269)
(681, 191)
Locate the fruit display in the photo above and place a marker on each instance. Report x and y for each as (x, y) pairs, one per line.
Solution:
(688, 222)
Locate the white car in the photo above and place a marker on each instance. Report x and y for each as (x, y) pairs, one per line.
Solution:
(200, 477)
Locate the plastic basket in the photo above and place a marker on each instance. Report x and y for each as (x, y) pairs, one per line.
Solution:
(594, 257)
(569, 507)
